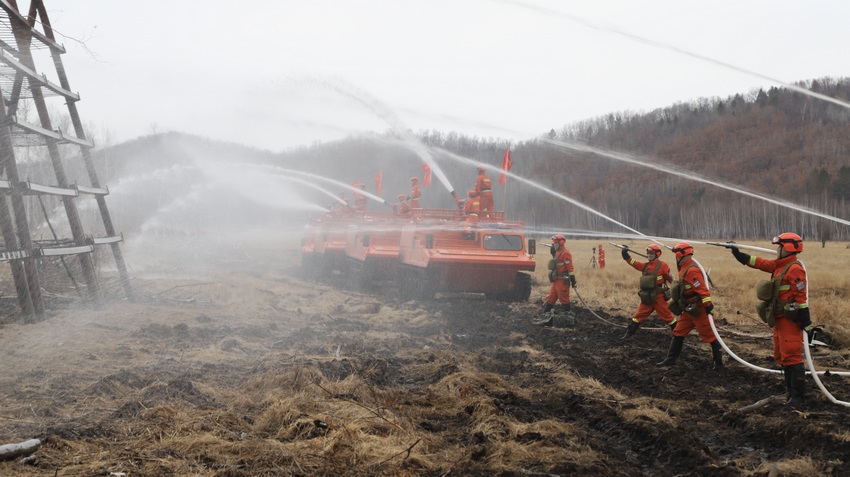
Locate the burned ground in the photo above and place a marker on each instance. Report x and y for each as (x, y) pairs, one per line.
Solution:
(258, 371)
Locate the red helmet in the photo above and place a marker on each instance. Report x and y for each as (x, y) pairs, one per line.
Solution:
(401, 197)
(414, 179)
(481, 168)
(559, 238)
(682, 249)
(791, 242)
(654, 248)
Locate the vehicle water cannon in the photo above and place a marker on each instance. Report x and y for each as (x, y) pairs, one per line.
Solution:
(738, 245)
(457, 200)
(626, 247)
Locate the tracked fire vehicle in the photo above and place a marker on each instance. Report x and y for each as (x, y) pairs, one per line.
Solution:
(323, 245)
(439, 254)
(371, 249)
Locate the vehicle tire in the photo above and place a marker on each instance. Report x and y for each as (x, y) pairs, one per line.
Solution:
(522, 287)
(427, 283)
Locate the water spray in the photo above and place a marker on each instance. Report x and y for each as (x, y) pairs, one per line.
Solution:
(628, 158)
(382, 111)
(658, 44)
(331, 181)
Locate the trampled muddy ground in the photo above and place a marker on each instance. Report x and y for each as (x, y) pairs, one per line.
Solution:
(246, 368)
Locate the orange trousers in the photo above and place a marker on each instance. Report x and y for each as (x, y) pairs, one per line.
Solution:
(787, 341)
(687, 322)
(559, 291)
(660, 306)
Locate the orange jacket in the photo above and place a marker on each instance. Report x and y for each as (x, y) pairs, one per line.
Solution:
(564, 262)
(695, 286)
(664, 275)
(793, 286)
(483, 184)
(415, 194)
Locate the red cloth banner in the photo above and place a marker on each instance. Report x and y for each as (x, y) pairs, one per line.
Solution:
(506, 166)
(426, 181)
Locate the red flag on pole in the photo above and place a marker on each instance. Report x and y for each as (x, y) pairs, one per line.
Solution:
(506, 166)
(426, 181)
(378, 183)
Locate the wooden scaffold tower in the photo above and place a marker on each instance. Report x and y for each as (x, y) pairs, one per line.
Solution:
(26, 92)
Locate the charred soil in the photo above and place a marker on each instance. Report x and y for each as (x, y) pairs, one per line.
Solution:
(249, 368)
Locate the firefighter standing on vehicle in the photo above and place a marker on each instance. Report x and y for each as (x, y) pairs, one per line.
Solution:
(692, 299)
(653, 290)
(785, 308)
(562, 277)
(483, 186)
(415, 193)
(360, 200)
(471, 209)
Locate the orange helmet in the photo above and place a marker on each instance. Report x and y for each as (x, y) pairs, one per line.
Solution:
(654, 248)
(683, 249)
(414, 179)
(481, 168)
(791, 242)
(401, 197)
(559, 238)
(472, 193)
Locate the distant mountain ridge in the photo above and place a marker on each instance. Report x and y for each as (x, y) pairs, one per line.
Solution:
(777, 142)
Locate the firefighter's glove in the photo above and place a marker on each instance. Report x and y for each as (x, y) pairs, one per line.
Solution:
(740, 256)
(625, 254)
(573, 281)
(813, 332)
(709, 308)
(804, 318)
(552, 250)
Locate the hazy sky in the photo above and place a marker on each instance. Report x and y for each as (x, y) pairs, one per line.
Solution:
(281, 73)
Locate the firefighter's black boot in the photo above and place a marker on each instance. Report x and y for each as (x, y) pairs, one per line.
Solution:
(673, 353)
(716, 355)
(548, 307)
(631, 330)
(566, 308)
(796, 376)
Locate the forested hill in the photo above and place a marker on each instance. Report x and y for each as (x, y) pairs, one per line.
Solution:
(776, 142)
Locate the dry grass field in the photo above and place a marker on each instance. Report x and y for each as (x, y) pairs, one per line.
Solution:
(236, 365)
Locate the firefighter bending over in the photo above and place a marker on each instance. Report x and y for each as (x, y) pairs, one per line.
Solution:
(692, 300)
(653, 291)
(785, 308)
(562, 277)
(402, 207)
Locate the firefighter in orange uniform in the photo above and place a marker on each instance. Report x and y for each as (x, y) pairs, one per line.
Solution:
(601, 257)
(402, 207)
(471, 209)
(562, 278)
(484, 188)
(652, 295)
(360, 199)
(789, 310)
(415, 193)
(691, 299)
